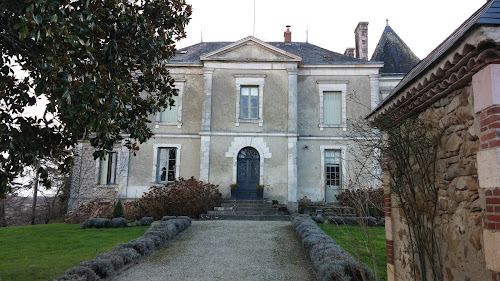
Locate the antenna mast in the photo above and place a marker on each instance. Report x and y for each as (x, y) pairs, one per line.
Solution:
(253, 18)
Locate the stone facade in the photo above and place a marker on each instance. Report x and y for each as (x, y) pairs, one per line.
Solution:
(289, 131)
(457, 87)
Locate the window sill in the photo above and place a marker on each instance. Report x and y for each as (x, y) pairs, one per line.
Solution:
(251, 121)
(322, 126)
(115, 185)
(158, 124)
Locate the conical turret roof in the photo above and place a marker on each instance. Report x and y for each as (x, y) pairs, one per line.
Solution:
(398, 58)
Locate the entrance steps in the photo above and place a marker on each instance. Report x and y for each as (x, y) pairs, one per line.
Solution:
(255, 210)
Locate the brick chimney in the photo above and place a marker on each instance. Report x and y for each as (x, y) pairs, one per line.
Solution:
(349, 52)
(361, 40)
(288, 35)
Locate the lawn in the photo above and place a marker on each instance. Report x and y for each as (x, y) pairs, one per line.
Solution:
(344, 236)
(42, 252)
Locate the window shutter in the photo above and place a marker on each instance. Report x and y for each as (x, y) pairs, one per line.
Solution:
(332, 108)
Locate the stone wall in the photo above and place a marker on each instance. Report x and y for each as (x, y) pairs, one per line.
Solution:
(84, 175)
(460, 220)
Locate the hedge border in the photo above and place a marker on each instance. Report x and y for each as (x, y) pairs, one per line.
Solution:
(331, 261)
(124, 255)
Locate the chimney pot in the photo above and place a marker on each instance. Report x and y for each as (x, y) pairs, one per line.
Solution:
(288, 35)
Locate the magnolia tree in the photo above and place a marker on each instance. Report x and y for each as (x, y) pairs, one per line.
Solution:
(98, 65)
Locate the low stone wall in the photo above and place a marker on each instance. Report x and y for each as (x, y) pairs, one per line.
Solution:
(330, 261)
(108, 264)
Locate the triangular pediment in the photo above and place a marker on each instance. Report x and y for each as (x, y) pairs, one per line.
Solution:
(250, 49)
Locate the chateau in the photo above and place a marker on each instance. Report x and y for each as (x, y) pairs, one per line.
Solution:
(271, 116)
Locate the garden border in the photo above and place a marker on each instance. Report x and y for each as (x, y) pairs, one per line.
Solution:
(125, 255)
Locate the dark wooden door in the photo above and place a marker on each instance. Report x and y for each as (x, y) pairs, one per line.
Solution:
(248, 174)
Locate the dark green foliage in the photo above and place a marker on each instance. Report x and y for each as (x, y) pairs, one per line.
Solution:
(100, 66)
(118, 209)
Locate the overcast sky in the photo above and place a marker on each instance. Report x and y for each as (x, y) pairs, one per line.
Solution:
(421, 24)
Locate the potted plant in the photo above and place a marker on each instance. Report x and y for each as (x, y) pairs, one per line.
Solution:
(234, 189)
(260, 191)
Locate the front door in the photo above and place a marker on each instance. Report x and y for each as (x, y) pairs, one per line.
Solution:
(333, 176)
(248, 174)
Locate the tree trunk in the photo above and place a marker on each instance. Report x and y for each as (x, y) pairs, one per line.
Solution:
(35, 193)
(3, 221)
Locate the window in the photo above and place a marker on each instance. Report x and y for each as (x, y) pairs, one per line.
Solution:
(107, 168)
(332, 108)
(332, 104)
(249, 98)
(332, 164)
(249, 102)
(172, 115)
(333, 170)
(166, 164)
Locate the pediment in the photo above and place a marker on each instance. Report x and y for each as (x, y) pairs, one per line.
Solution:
(250, 49)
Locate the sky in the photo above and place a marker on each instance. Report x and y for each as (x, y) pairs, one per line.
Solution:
(330, 24)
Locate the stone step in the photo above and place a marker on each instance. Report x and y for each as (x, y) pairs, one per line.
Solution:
(245, 204)
(263, 201)
(245, 208)
(238, 212)
(246, 217)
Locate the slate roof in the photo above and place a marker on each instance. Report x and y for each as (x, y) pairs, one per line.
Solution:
(398, 58)
(488, 14)
(310, 54)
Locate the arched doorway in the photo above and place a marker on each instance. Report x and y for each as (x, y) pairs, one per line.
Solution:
(248, 174)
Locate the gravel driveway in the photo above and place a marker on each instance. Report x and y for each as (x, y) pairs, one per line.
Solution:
(228, 250)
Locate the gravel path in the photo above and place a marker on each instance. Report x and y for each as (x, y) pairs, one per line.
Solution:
(228, 250)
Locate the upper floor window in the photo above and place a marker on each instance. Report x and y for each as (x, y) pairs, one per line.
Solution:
(332, 108)
(107, 168)
(250, 98)
(249, 102)
(172, 115)
(332, 104)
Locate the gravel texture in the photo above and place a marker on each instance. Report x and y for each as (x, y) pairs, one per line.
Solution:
(228, 250)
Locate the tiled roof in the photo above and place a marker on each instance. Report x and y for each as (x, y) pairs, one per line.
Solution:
(398, 58)
(488, 14)
(310, 54)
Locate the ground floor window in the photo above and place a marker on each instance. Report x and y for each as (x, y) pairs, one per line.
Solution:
(166, 164)
(333, 174)
(107, 168)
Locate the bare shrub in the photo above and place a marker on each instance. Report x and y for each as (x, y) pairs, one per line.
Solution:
(365, 202)
(191, 197)
(102, 267)
(94, 209)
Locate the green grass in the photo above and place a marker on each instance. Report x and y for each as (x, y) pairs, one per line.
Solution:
(344, 236)
(42, 252)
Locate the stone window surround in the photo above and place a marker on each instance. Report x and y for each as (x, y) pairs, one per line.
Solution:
(250, 80)
(98, 168)
(179, 84)
(343, 163)
(241, 142)
(155, 159)
(332, 86)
